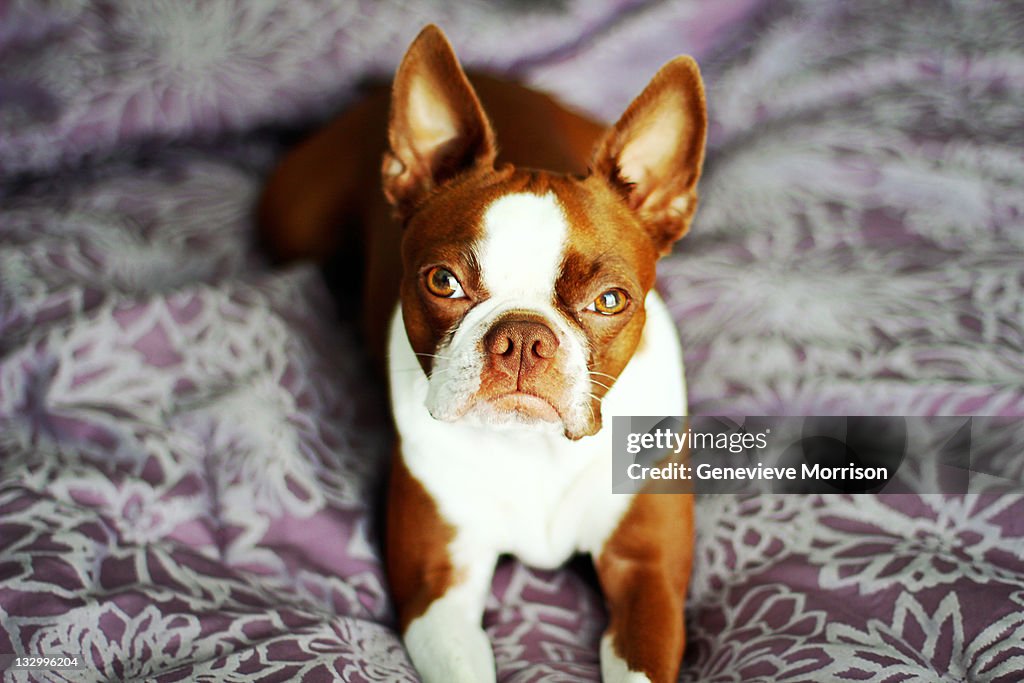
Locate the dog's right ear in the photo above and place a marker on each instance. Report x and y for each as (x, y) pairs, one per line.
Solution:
(437, 127)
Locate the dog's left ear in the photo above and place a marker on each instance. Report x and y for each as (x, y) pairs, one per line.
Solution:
(653, 155)
(437, 127)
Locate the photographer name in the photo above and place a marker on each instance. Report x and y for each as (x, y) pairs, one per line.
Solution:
(706, 472)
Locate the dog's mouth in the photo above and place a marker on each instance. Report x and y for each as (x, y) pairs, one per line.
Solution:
(520, 409)
(524, 407)
(508, 409)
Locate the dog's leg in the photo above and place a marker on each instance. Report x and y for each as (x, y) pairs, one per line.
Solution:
(644, 569)
(447, 643)
(439, 586)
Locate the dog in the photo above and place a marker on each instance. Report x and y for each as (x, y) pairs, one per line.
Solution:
(510, 295)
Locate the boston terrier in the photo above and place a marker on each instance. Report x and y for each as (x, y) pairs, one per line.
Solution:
(509, 292)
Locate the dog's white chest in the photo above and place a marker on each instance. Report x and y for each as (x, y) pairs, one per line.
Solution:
(537, 496)
(533, 494)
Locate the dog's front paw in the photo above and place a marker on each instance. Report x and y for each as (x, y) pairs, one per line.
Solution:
(614, 669)
(446, 647)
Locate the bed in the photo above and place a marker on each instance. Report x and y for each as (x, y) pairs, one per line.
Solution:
(191, 449)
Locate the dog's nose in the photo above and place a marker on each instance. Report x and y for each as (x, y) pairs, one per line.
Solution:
(520, 345)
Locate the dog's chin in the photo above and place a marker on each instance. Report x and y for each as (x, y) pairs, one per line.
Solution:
(520, 407)
(514, 411)
(517, 411)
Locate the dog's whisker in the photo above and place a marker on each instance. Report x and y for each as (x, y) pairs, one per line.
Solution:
(600, 384)
(432, 355)
(602, 374)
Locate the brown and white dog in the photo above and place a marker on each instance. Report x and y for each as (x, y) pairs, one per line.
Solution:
(516, 310)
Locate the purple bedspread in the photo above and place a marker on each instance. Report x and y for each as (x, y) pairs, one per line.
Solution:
(190, 455)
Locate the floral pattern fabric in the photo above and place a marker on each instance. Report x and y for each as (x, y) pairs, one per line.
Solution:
(191, 453)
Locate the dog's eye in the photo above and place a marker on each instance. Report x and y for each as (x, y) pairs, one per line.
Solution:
(611, 302)
(442, 283)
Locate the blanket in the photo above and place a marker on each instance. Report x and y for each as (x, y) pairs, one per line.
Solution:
(191, 452)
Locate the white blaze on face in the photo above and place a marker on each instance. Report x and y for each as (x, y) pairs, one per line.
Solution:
(522, 248)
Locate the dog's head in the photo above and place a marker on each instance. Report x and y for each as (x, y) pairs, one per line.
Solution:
(523, 291)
